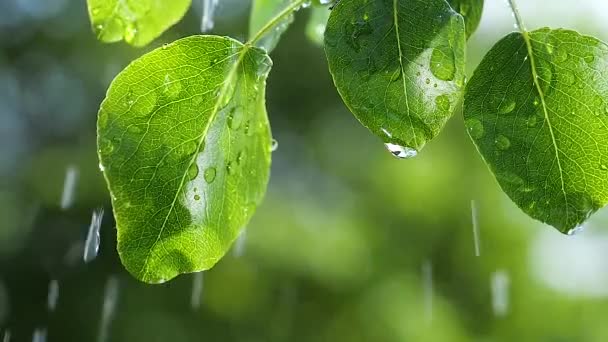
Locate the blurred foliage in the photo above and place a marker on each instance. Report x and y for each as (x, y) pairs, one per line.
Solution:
(336, 251)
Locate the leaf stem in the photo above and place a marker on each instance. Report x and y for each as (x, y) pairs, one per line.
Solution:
(274, 21)
(518, 20)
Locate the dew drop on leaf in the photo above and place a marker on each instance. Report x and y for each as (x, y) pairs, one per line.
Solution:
(443, 63)
(401, 152)
(171, 88)
(443, 103)
(506, 106)
(192, 171)
(502, 142)
(475, 128)
(230, 168)
(209, 175)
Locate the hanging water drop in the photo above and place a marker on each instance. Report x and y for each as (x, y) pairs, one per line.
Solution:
(576, 230)
(91, 244)
(401, 152)
(274, 145)
(208, 10)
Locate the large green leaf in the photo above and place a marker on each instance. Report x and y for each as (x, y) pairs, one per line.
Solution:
(398, 65)
(537, 109)
(184, 145)
(263, 12)
(138, 22)
(471, 11)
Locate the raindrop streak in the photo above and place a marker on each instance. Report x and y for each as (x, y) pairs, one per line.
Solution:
(500, 283)
(39, 335)
(474, 219)
(110, 297)
(239, 245)
(427, 286)
(69, 187)
(197, 290)
(401, 152)
(207, 16)
(53, 295)
(7, 336)
(91, 244)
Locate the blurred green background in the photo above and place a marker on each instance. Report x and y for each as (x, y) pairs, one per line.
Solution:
(350, 244)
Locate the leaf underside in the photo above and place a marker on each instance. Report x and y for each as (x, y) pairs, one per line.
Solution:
(137, 22)
(398, 65)
(545, 138)
(184, 145)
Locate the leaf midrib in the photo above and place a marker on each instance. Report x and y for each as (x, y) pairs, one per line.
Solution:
(541, 95)
(407, 104)
(223, 91)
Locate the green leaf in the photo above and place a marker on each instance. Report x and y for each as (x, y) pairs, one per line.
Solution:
(317, 22)
(537, 110)
(262, 12)
(471, 11)
(138, 22)
(184, 145)
(398, 65)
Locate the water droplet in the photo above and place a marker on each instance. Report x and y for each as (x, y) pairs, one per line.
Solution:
(589, 59)
(443, 103)
(106, 146)
(209, 175)
(188, 148)
(396, 75)
(102, 119)
(274, 145)
(192, 171)
(561, 55)
(475, 128)
(69, 186)
(532, 121)
(506, 106)
(134, 129)
(235, 118)
(443, 63)
(576, 230)
(401, 152)
(502, 142)
(171, 87)
(603, 167)
(207, 22)
(357, 30)
(165, 46)
(427, 81)
(130, 32)
(197, 197)
(53, 295)
(230, 168)
(91, 244)
(569, 77)
(239, 157)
